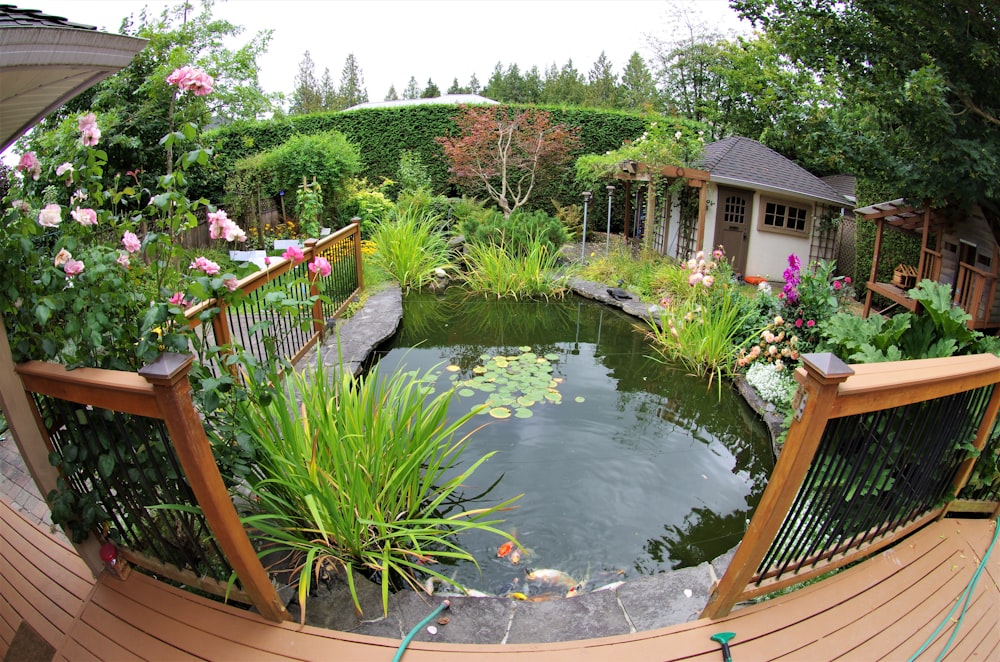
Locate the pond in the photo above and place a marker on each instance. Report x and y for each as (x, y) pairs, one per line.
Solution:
(630, 467)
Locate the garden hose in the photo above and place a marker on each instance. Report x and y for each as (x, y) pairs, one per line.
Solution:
(419, 626)
(964, 600)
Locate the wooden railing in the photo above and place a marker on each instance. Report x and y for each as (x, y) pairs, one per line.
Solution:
(974, 293)
(874, 452)
(262, 330)
(930, 264)
(124, 484)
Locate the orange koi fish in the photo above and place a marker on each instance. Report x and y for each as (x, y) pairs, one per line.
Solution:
(505, 549)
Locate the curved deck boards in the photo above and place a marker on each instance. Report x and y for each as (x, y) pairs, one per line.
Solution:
(884, 608)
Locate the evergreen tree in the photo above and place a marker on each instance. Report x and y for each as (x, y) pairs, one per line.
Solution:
(566, 86)
(412, 90)
(431, 91)
(474, 87)
(602, 84)
(455, 88)
(638, 88)
(307, 97)
(391, 95)
(352, 89)
(495, 85)
(328, 93)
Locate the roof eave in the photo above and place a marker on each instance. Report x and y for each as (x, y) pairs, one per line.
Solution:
(785, 192)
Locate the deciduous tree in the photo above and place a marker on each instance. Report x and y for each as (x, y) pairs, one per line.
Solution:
(504, 151)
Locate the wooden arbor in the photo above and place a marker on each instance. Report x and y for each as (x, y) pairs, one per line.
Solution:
(946, 255)
(633, 171)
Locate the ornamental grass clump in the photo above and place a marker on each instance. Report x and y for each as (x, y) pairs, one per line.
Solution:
(493, 269)
(361, 474)
(410, 246)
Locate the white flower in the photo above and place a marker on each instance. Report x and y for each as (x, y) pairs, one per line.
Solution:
(677, 136)
(771, 383)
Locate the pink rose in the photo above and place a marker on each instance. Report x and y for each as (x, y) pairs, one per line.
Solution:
(321, 266)
(798, 323)
(178, 299)
(837, 285)
(29, 164)
(123, 260)
(84, 216)
(811, 323)
(62, 169)
(89, 132)
(131, 242)
(294, 253)
(205, 265)
(191, 79)
(61, 257)
(847, 279)
(72, 267)
(50, 216)
(231, 284)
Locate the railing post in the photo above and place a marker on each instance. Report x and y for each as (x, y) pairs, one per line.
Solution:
(819, 378)
(358, 261)
(168, 375)
(982, 437)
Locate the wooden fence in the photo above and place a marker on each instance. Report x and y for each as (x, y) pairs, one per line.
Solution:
(875, 452)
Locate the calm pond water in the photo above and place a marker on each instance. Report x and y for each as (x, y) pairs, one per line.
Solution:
(636, 468)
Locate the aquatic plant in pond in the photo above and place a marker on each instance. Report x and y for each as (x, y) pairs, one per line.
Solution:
(629, 466)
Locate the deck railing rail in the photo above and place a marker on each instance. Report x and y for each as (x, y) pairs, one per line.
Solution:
(260, 329)
(875, 451)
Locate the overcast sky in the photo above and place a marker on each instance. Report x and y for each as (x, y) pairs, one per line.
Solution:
(440, 40)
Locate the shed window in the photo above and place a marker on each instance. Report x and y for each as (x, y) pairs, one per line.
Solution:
(784, 217)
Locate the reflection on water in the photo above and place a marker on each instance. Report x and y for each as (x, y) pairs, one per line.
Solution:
(639, 469)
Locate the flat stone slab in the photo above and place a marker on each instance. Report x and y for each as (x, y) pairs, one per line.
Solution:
(585, 616)
(670, 598)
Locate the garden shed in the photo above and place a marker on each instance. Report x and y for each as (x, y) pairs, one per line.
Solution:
(956, 248)
(757, 204)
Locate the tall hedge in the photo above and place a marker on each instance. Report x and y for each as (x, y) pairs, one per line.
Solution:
(381, 134)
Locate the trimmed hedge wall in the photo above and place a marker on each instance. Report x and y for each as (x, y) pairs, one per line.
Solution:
(382, 133)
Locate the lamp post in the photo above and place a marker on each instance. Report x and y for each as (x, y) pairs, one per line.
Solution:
(583, 247)
(607, 248)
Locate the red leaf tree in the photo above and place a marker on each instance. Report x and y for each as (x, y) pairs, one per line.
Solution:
(505, 150)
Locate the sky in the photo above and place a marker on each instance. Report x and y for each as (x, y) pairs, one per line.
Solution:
(440, 40)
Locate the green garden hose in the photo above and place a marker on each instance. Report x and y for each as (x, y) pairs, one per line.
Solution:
(964, 600)
(419, 626)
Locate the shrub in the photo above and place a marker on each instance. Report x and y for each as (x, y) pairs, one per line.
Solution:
(367, 202)
(517, 233)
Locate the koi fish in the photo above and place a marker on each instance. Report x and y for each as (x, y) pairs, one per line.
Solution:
(506, 549)
(551, 576)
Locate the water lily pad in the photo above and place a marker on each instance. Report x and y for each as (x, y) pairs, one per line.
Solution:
(525, 348)
(525, 401)
(452, 368)
(479, 370)
(466, 392)
(579, 398)
(553, 396)
(522, 412)
(500, 412)
(552, 357)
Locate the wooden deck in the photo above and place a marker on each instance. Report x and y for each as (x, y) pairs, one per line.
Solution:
(884, 608)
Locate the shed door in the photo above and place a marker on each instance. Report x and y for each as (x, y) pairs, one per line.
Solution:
(732, 226)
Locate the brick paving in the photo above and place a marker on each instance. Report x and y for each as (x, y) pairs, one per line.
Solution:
(16, 486)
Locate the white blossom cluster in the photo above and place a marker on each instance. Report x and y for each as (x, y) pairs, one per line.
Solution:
(771, 384)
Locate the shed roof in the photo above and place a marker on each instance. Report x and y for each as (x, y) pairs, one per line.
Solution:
(739, 161)
(47, 60)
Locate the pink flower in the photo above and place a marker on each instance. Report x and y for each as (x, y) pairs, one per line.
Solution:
(84, 216)
(72, 267)
(707, 281)
(123, 260)
(811, 323)
(50, 216)
(178, 299)
(62, 169)
(847, 279)
(695, 278)
(191, 79)
(131, 242)
(321, 266)
(29, 164)
(61, 257)
(219, 225)
(267, 261)
(205, 265)
(798, 323)
(231, 284)
(718, 254)
(293, 253)
(837, 285)
(89, 132)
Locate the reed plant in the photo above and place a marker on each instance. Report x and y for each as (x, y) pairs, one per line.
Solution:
(410, 246)
(704, 333)
(361, 474)
(532, 272)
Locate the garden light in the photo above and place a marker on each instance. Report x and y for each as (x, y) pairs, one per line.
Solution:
(611, 190)
(587, 195)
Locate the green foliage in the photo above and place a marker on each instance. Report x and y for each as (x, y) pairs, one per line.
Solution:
(530, 270)
(360, 474)
(413, 173)
(518, 233)
(898, 247)
(939, 331)
(367, 202)
(328, 158)
(309, 207)
(409, 246)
